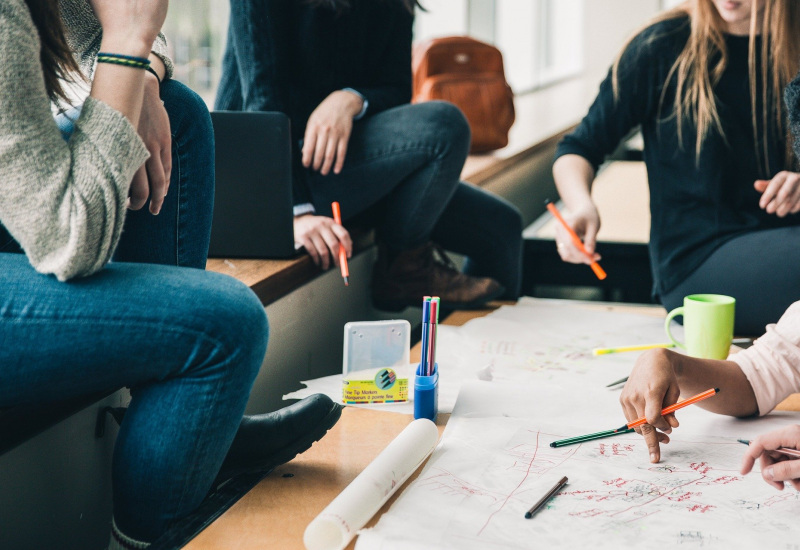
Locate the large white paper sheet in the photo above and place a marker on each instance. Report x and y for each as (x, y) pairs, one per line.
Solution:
(494, 462)
(533, 342)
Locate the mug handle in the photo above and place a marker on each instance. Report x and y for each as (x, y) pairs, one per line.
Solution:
(672, 314)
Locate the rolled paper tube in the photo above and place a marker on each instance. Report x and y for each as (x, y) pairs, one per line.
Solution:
(337, 524)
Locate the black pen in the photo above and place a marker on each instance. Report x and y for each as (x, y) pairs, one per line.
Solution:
(542, 501)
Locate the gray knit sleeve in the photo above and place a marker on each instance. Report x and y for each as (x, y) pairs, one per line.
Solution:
(64, 202)
(84, 35)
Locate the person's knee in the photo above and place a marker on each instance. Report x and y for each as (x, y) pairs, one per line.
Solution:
(233, 316)
(187, 111)
(447, 122)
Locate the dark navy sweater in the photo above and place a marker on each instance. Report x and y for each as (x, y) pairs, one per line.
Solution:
(696, 204)
(291, 56)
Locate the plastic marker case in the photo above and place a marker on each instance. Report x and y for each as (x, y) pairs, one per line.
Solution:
(426, 394)
(375, 364)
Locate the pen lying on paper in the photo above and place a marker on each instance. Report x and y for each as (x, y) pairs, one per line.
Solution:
(794, 453)
(542, 501)
(627, 428)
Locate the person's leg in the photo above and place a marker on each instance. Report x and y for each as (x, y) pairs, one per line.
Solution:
(406, 162)
(179, 235)
(759, 269)
(189, 343)
(488, 230)
(402, 168)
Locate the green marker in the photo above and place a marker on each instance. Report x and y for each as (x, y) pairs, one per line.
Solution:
(590, 437)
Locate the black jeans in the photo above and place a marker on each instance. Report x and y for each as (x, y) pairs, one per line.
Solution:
(402, 175)
(760, 269)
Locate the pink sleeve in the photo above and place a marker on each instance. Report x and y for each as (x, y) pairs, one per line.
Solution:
(772, 363)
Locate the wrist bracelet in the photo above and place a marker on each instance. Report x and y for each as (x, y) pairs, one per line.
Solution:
(153, 72)
(125, 60)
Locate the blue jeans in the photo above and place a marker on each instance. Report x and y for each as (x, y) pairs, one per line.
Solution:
(401, 175)
(188, 343)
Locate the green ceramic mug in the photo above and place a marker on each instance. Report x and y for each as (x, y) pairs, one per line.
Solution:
(707, 325)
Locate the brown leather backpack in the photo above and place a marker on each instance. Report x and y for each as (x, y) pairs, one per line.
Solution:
(468, 73)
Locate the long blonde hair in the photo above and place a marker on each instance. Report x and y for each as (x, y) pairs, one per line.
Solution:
(696, 76)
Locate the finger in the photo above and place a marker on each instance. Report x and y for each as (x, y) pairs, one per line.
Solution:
(344, 238)
(766, 200)
(309, 143)
(672, 396)
(590, 238)
(784, 470)
(158, 184)
(651, 439)
(783, 199)
(309, 246)
(767, 472)
(331, 241)
(166, 162)
(138, 192)
(330, 156)
(654, 403)
(320, 148)
(341, 153)
(322, 250)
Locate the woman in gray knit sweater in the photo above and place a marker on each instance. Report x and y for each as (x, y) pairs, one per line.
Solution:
(187, 342)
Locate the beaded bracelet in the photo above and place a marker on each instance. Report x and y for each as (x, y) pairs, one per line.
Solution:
(125, 60)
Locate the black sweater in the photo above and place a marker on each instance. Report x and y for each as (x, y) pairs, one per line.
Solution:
(695, 204)
(292, 56)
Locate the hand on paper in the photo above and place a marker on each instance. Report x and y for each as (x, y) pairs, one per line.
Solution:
(328, 132)
(152, 179)
(585, 221)
(781, 194)
(651, 386)
(776, 468)
(321, 236)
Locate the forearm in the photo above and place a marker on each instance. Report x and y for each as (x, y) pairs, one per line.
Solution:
(573, 176)
(120, 87)
(736, 396)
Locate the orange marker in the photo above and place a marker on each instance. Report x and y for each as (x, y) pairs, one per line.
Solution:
(679, 405)
(337, 217)
(576, 241)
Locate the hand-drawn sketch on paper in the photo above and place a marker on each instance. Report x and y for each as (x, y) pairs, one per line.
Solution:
(488, 471)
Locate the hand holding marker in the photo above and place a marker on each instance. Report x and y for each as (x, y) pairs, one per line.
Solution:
(576, 240)
(628, 428)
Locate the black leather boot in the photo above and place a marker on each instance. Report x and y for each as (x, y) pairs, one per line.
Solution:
(266, 441)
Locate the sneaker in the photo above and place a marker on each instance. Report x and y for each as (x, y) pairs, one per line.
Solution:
(427, 271)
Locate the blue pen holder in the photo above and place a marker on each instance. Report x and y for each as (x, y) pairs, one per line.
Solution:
(426, 394)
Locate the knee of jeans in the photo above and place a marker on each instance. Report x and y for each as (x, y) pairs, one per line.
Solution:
(238, 321)
(448, 122)
(187, 111)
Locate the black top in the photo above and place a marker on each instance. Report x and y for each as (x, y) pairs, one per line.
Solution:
(302, 54)
(695, 204)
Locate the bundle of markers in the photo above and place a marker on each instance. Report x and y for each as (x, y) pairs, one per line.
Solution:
(430, 321)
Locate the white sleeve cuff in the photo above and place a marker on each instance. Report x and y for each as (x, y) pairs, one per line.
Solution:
(364, 106)
(305, 208)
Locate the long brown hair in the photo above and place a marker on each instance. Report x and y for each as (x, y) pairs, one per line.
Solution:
(58, 64)
(696, 75)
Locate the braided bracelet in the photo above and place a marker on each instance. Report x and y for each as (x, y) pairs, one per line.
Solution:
(125, 60)
(153, 72)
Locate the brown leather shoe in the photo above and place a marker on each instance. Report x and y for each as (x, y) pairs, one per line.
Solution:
(427, 271)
